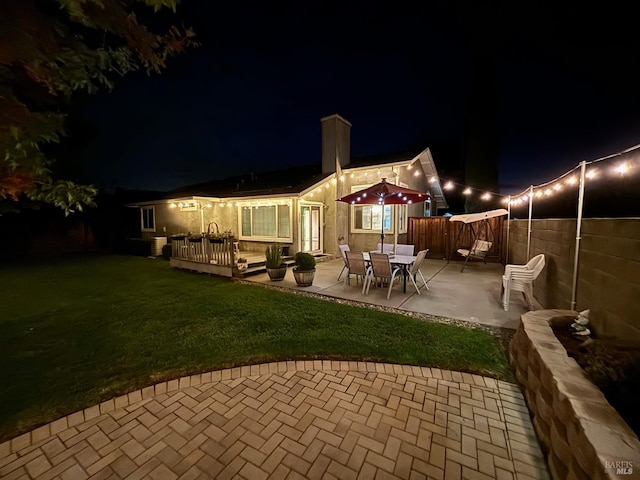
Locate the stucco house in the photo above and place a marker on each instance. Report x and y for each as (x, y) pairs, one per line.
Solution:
(297, 207)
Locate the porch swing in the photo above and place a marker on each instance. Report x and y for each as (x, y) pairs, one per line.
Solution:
(479, 228)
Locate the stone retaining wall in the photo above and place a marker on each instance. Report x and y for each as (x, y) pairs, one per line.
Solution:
(583, 436)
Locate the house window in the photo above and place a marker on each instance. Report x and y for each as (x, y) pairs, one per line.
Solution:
(369, 218)
(269, 222)
(402, 218)
(147, 219)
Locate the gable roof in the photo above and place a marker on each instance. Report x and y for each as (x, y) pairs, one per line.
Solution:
(275, 182)
(295, 180)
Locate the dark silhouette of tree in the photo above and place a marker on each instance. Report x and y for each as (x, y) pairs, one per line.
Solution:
(50, 49)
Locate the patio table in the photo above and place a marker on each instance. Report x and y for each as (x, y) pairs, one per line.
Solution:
(403, 261)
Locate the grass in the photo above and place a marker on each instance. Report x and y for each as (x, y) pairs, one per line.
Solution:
(82, 330)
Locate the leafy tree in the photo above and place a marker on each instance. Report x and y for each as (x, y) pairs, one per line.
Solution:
(50, 49)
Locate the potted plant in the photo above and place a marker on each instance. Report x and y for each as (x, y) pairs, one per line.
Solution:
(242, 264)
(304, 269)
(273, 261)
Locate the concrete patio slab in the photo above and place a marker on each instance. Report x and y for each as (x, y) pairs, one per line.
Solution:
(473, 295)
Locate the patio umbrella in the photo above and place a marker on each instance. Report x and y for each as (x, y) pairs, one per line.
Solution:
(382, 194)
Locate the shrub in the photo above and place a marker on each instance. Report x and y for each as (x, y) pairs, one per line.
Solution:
(304, 261)
(166, 251)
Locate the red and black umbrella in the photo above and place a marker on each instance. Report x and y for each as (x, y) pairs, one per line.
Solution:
(384, 193)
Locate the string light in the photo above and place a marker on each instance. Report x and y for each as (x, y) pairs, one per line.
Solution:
(548, 189)
(622, 168)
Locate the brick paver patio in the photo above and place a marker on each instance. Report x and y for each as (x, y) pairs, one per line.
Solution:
(305, 419)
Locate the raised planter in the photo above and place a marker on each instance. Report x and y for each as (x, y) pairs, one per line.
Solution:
(584, 437)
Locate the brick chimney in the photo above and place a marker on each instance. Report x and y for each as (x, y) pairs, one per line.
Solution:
(336, 142)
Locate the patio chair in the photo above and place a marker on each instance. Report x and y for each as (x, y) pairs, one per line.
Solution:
(381, 269)
(478, 251)
(520, 278)
(415, 270)
(388, 248)
(404, 249)
(357, 266)
(343, 250)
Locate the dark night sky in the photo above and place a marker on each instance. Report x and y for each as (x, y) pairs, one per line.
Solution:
(251, 97)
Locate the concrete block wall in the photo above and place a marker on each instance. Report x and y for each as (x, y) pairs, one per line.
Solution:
(583, 436)
(608, 273)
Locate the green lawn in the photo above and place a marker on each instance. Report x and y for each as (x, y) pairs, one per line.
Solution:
(80, 330)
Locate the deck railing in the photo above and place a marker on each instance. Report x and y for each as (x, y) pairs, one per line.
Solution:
(204, 250)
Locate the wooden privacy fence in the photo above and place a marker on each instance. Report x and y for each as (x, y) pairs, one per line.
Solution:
(443, 237)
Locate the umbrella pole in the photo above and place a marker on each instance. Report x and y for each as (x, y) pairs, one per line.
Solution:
(382, 230)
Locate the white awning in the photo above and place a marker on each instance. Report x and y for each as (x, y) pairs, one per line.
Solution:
(476, 217)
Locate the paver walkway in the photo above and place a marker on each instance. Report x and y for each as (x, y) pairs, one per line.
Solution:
(305, 419)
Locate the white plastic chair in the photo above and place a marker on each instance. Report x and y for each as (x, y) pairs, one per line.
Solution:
(358, 267)
(415, 270)
(404, 249)
(381, 269)
(343, 251)
(519, 278)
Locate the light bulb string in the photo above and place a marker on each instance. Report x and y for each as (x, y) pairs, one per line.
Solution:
(525, 193)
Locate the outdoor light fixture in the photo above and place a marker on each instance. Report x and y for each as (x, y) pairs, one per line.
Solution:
(486, 196)
(433, 180)
(467, 191)
(591, 173)
(622, 168)
(448, 186)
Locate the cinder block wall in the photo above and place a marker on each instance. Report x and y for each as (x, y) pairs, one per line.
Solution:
(608, 272)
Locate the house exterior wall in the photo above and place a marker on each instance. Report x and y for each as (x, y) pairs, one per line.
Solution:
(608, 275)
(174, 221)
(368, 241)
(336, 216)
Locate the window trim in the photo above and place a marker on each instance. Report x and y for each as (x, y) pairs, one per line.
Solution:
(276, 239)
(395, 212)
(151, 208)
